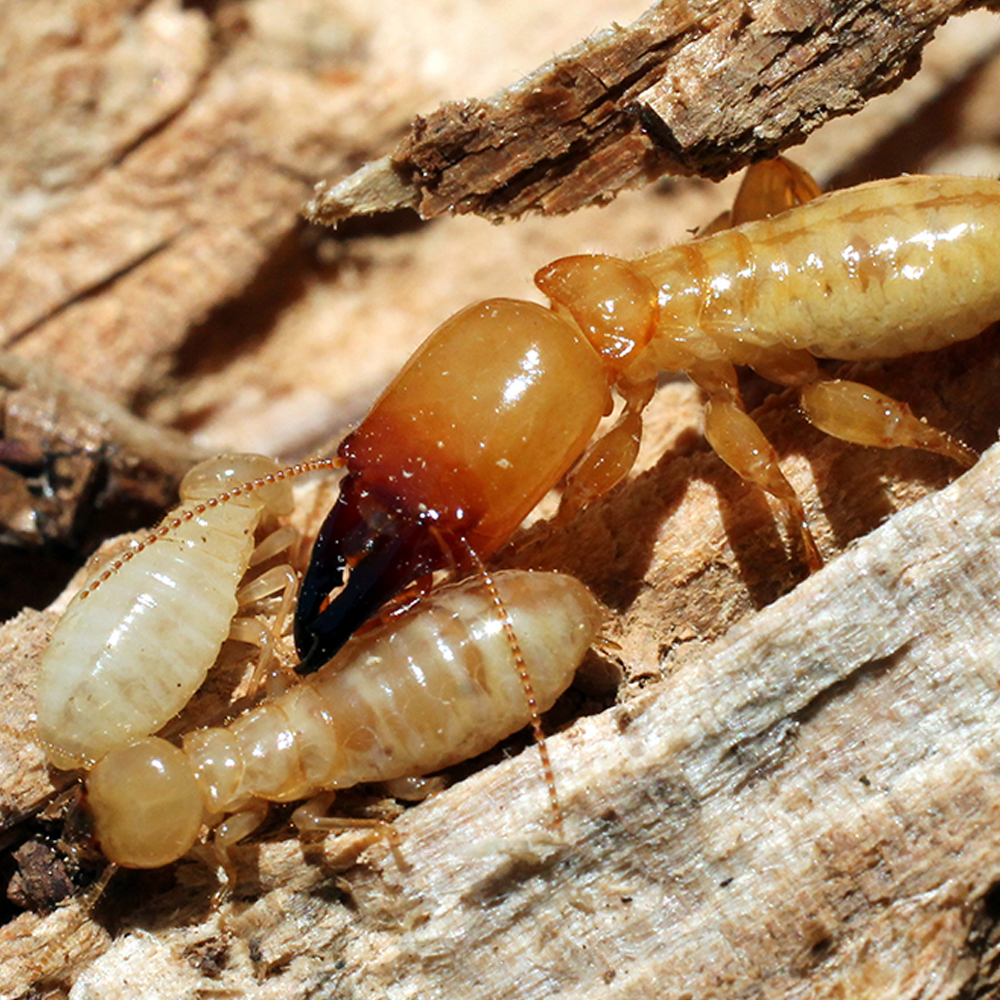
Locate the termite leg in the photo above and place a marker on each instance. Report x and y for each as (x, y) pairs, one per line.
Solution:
(226, 836)
(610, 458)
(770, 187)
(857, 413)
(415, 789)
(311, 817)
(277, 579)
(741, 444)
(276, 541)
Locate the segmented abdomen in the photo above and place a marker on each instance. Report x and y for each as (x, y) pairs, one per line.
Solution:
(876, 271)
(420, 693)
(126, 659)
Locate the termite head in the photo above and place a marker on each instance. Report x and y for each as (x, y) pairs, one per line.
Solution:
(486, 416)
(145, 804)
(210, 478)
(611, 301)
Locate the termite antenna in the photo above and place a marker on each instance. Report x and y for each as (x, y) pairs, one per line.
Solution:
(506, 622)
(178, 517)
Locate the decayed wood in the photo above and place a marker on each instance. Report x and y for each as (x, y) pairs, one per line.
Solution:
(811, 804)
(703, 87)
(682, 554)
(75, 467)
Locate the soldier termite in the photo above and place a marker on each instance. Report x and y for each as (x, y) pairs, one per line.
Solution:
(499, 403)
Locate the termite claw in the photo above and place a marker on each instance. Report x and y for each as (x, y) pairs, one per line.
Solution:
(383, 560)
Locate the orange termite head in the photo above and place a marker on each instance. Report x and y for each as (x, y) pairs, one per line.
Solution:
(486, 416)
(612, 302)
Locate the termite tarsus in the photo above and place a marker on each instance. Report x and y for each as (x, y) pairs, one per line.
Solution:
(426, 690)
(137, 641)
(500, 401)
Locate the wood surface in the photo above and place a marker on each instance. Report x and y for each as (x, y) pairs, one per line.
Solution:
(774, 786)
(700, 87)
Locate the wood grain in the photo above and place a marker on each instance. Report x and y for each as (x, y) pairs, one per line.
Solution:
(796, 793)
(809, 804)
(703, 87)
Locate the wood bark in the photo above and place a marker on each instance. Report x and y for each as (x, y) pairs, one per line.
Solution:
(699, 87)
(808, 804)
(793, 793)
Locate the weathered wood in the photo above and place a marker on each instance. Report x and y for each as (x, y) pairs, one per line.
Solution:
(837, 886)
(75, 467)
(135, 122)
(699, 87)
(810, 805)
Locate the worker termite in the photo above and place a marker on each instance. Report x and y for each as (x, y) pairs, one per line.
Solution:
(420, 692)
(139, 638)
(500, 402)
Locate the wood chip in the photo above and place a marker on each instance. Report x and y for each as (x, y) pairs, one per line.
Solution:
(697, 87)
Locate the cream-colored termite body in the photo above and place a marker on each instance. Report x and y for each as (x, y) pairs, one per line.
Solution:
(138, 640)
(431, 688)
(880, 270)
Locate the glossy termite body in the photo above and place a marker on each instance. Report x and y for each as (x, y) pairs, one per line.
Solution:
(139, 637)
(464, 669)
(427, 689)
(499, 403)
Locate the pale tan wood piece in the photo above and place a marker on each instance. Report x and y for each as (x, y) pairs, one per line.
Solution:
(698, 87)
(810, 805)
(135, 122)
